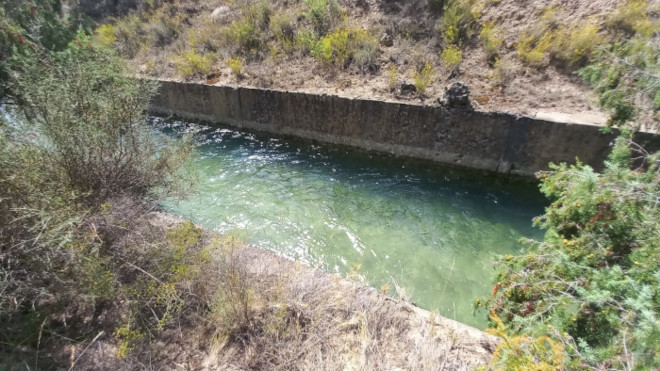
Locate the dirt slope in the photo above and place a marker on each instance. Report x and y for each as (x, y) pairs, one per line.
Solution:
(547, 90)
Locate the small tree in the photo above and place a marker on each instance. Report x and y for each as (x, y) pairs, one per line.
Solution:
(91, 114)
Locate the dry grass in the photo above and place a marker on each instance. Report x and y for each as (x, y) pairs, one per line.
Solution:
(273, 314)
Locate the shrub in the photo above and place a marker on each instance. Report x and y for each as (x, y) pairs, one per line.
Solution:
(364, 48)
(491, 38)
(207, 36)
(573, 45)
(323, 15)
(338, 47)
(333, 49)
(457, 22)
(532, 49)
(130, 35)
(244, 35)
(593, 283)
(522, 352)
(632, 17)
(257, 14)
(189, 63)
(68, 194)
(305, 41)
(451, 57)
(236, 65)
(283, 28)
(622, 74)
(95, 162)
(423, 77)
(106, 34)
(163, 25)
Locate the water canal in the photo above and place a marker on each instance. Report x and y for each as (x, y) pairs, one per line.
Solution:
(429, 229)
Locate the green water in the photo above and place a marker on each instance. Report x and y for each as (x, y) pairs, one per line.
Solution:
(430, 229)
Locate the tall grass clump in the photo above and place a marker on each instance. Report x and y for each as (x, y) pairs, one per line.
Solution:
(236, 65)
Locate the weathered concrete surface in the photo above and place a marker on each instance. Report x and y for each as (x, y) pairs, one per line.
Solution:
(491, 141)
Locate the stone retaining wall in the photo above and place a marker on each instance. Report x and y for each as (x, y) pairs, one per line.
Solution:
(491, 141)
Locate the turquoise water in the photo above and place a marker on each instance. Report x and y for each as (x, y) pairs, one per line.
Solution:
(426, 228)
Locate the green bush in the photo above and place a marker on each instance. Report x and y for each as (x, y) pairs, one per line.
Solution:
(522, 352)
(236, 65)
(491, 38)
(423, 77)
(622, 74)
(95, 162)
(130, 35)
(364, 48)
(305, 41)
(324, 15)
(458, 21)
(451, 57)
(282, 26)
(593, 283)
(244, 35)
(190, 63)
(163, 25)
(257, 14)
(632, 17)
(333, 49)
(106, 34)
(344, 44)
(531, 49)
(572, 46)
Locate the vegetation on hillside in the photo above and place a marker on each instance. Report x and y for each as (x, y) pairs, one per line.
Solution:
(588, 295)
(342, 40)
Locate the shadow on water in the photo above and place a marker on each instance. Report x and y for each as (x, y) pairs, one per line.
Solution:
(430, 229)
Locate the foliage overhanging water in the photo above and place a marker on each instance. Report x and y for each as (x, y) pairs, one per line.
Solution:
(430, 229)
